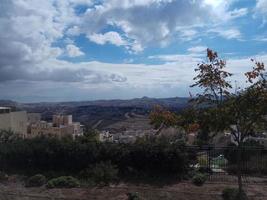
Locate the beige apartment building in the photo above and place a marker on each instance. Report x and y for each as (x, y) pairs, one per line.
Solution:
(62, 125)
(30, 125)
(13, 121)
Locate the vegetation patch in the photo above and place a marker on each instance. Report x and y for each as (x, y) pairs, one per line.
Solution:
(233, 194)
(199, 179)
(63, 182)
(100, 173)
(36, 181)
(133, 196)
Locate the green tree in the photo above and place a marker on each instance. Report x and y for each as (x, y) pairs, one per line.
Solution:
(241, 112)
(8, 136)
(212, 80)
(218, 109)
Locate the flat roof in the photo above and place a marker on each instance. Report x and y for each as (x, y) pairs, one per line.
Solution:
(4, 108)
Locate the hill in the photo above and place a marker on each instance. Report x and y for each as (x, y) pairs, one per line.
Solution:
(100, 113)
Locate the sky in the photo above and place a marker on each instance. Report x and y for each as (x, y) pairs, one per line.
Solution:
(73, 50)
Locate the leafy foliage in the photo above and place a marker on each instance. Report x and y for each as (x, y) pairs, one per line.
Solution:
(36, 181)
(212, 78)
(8, 136)
(103, 172)
(233, 194)
(199, 179)
(63, 182)
(242, 112)
(162, 118)
(43, 155)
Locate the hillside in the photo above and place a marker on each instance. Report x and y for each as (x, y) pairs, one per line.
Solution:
(100, 113)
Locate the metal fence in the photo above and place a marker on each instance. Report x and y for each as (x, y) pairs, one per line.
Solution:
(222, 163)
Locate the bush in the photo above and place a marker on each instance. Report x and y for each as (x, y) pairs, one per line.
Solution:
(3, 176)
(232, 194)
(206, 170)
(63, 182)
(133, 196)
(199, 179)
(36, 181)
(103, 172)
(150, 157)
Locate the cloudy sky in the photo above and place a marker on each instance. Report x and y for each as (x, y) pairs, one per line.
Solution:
(62, 50)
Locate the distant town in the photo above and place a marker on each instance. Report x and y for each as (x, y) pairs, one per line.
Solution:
(30, 125)
(128, 130)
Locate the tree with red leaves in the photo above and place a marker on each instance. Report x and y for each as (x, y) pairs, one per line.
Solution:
(242, 112)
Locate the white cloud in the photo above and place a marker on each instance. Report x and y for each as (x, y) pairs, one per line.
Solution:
(30, 31)
(197, 49)
(106, 80)
(117, 40)
(221, 10)
(193, 59)
(33, 28)
(187, 32)
(81, 2)
(155, 22)
(231, 33)
(73, 51)
(109, 37)
(74, 31)
(261, 38)
(261, 9)
(238, 12)
(136, 47)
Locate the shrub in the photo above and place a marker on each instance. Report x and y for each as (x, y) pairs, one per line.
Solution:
(151, 157)
(206, 170)
(63, 182)
(103, 172)
(199, 179)
(233, 194)
(36, 181)
(133, 196)
(3, 176)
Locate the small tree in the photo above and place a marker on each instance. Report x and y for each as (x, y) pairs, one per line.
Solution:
(247, 111)
(162, 118)
(220, 109)
(212, 79)
(241, 112)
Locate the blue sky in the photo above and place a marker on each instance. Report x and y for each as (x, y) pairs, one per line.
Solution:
(71, 50)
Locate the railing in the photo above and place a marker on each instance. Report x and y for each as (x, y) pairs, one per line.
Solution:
(218, 161)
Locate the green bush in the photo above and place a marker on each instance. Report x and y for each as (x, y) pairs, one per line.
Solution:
(232, 194)
(199, 179)
(133, 196)
(151, 157)
(36, 181)
(63, 182)
(103, 172)
(3, 176)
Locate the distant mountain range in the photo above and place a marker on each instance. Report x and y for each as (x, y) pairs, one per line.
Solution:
(145, 102)
(106, 111)
(137, 102)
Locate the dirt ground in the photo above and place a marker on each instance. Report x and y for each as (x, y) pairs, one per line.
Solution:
(14, 190)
